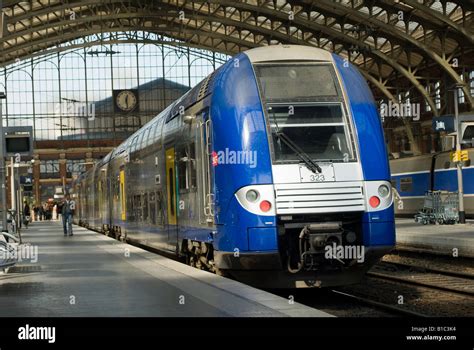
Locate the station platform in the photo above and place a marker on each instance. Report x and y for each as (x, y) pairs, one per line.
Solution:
(441, 239)
(91, 275)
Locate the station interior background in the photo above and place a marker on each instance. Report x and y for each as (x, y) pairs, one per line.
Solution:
(84, 64)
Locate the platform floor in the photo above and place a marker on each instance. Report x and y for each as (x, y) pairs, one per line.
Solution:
(89, 274)
(438, 238)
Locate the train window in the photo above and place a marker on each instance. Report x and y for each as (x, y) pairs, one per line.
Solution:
(297, 81)
(145, 207)
(317, 129)
(154, 131)
(133, 144)
(406, 184)
(136, 147)
(138, 207)
(115, 187)
(146, 134)
(187, 173)
(151, 134)
(151, 199)
(159, 208)
(192, 165)
(182, 169)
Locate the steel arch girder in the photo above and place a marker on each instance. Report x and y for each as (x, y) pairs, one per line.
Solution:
(259, 30)
(390, 31)
(314, 27)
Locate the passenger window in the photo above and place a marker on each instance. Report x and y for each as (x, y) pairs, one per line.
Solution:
(192, 165)
(151, 198)
(145, 207)
(137, 207)
(133, 145)
(182, 170)
(159, 208)
(187, 173)
(116, 190)
(145, 137)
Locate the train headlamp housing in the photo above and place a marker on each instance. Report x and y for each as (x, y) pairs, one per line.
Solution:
(378, 195)
(257, 199)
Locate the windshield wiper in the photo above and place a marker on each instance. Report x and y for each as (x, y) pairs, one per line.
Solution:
(299, 152)
(295, 148)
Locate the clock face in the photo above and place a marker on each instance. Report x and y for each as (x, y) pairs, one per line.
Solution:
(126, 101)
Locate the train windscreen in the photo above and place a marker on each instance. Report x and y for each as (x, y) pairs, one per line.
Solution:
(305, 112)
(318, 130)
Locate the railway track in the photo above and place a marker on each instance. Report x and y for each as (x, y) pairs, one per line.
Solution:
(443, 280)
(430, 284)
(392, 310)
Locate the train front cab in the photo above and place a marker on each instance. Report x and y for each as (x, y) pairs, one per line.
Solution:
(276, 214)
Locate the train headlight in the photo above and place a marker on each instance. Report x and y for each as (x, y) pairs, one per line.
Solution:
(384, 191)
(374, 201)
(252, 195)
(265, 206)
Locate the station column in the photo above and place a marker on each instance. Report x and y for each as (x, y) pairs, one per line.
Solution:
(36, 179)
(63, 170)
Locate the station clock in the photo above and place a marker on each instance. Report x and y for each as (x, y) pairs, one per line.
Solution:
(125, 100)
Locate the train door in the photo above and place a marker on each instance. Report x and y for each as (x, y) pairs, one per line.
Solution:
(109, 200)
(171, 197)
(122, 198)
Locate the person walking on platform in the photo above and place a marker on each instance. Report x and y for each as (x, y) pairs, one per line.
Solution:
(45, 211)
(67, 213)
(26, 214)
(36, 211)
(40, 212)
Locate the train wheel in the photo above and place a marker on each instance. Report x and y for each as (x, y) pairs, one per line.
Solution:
(118, 233)
(199, 255)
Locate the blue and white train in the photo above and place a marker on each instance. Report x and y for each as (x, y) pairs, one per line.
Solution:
(273, 170)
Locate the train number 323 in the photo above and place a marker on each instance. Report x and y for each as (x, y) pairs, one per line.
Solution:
(317, 178)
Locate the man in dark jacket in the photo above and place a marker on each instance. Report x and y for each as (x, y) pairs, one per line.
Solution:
(68, 209)
(26, 214)
(36, 211)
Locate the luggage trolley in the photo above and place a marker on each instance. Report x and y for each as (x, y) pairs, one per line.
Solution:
(435, 210)
(450, 213)
(432, 208)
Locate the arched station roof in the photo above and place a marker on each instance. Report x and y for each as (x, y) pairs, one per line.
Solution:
(395, 43)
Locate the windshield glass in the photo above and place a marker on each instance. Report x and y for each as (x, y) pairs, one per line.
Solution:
(317, 129)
